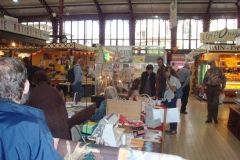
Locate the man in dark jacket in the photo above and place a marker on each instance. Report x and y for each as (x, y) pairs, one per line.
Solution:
(24, 133)
(161, 78)
(30, 70)
(149, 82)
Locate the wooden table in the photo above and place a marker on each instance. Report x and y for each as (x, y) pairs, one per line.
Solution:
(82, 115)
(234, 119)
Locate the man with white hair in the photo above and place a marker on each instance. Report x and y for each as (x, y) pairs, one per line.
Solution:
(184, 78)
(24, 133)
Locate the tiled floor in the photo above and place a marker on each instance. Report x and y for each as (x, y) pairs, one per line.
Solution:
(197, 140)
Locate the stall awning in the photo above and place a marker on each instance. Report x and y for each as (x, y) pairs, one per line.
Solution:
(65, 46)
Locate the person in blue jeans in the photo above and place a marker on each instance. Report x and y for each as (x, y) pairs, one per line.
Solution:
(170, 100)
(77, 84)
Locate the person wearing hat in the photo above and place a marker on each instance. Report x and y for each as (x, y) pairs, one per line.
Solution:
(215, 82)
(184, 78)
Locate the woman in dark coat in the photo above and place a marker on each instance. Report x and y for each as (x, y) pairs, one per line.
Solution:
(48, 98)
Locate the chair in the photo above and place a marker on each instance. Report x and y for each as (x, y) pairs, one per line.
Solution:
(76, 132)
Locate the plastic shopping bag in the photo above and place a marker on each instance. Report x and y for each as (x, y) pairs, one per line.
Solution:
(221, 98)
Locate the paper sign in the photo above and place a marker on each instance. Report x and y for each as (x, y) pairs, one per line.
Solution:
(172, 115)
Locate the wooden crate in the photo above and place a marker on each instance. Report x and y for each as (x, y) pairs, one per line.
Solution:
(129, 109)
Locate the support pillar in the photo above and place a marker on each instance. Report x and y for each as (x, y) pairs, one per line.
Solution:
(173, 41)
(102, 30)
(206, 22)
(61, 7)
(55, 29)
(132, 30)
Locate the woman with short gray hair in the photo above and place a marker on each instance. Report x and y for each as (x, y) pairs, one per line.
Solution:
(109, 93)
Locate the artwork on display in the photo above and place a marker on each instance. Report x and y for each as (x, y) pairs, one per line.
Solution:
(47, 56)
(92, 58)
(138, 59)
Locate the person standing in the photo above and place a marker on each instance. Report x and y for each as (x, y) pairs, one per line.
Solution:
(170, 100)
(24, 133)
(161, 78)
(51, 103)
(78, 78)
(91, 73)
(184, 78)
(149, 82)
(215, 82)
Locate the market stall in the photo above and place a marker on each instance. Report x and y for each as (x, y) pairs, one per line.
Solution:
(226, 56)
(119, 66)
(59, 57)
(17, 38)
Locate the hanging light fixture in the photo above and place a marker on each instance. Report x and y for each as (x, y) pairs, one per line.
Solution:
(1, 53)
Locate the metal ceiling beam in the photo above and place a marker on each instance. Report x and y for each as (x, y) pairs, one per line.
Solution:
(130, 6)
(3, 11)
(109, 4)
(97, 6)
(47, 7)
(209, 6)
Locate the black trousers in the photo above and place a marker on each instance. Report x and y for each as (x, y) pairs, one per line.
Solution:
(184, 98)
(213, 93)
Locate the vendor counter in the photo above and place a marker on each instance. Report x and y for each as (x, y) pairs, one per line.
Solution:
(63, 84)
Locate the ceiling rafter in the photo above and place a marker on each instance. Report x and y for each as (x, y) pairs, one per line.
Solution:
(97, 6)
(47, 7)
(130, 6)
(108, 4)
(3, 11)
(209, 6)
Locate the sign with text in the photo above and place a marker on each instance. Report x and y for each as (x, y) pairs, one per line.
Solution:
(125, 54)
(178, 57)
(14, 27)
(231, 48)
(219, 36)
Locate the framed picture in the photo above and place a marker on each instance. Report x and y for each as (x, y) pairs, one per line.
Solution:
(47, 56)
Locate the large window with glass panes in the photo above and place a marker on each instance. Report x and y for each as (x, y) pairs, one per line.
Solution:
(188, 33)
(117, 33)
(153, 32)
(83, 32)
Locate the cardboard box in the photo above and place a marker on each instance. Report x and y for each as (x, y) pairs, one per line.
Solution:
(89, 127)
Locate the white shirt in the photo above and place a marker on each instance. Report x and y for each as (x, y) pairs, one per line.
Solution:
(91, 72)
(169, 94)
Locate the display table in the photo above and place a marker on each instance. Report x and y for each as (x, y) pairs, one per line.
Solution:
(79, 151)
(81, 114)
(234, 120)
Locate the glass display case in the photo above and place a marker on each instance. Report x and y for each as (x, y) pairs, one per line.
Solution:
(231, 68)
(118, 75)
(119, 66)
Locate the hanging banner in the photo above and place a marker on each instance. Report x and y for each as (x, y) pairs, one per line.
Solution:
(219, 36)
(173, 14)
